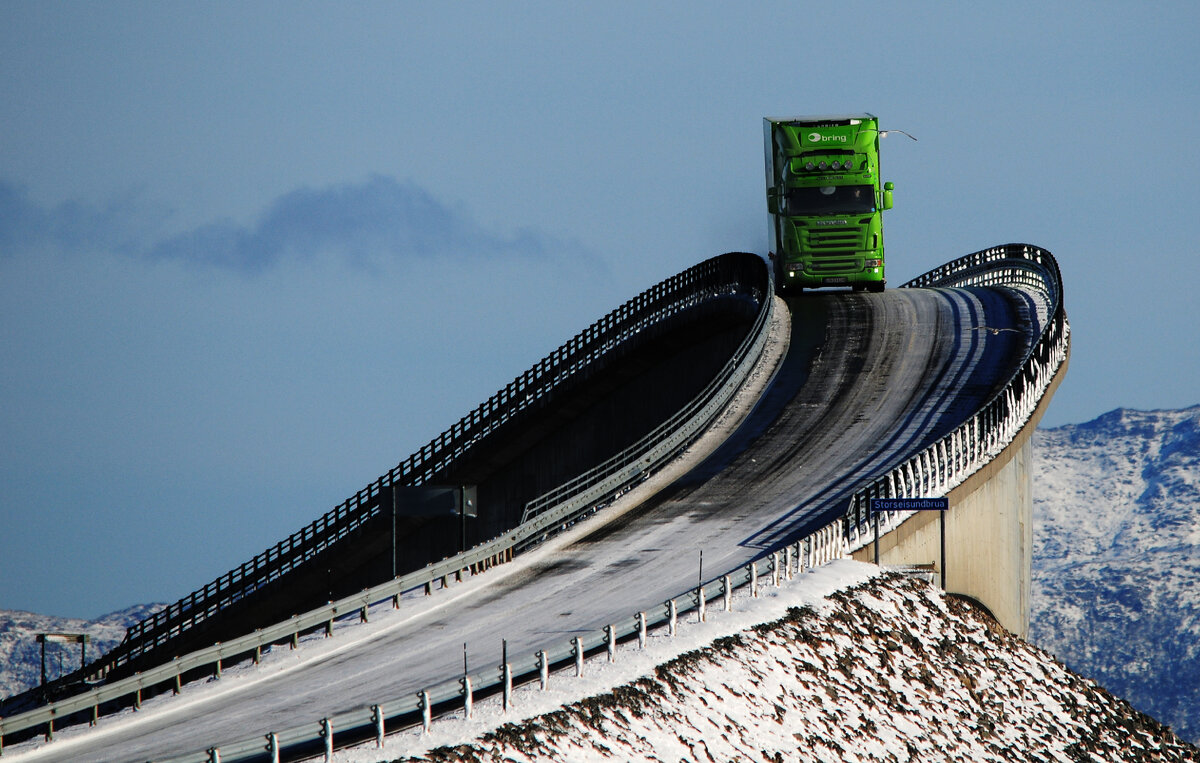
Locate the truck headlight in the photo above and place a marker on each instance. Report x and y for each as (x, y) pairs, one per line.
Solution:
(873, 263)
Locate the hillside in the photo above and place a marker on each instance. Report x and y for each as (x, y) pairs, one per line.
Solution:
(886, 670)
(1117, 556)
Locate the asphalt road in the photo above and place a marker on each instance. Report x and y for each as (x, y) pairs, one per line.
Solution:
(868, 379)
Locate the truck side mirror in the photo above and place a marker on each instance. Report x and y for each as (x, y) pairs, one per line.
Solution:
(887, 195)
(772, 202)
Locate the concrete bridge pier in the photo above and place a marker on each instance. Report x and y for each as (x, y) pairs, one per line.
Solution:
(989, 532)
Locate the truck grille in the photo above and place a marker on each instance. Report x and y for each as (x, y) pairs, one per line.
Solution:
(835, 266)
(839, 239)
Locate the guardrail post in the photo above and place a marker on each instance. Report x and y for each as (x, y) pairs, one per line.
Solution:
(377, 718)
(258, 653)
(295, 644)
(137, 699)
(217, 669)
(429, 588)
(273, 747)
(214, 755)
(641, 618)
(727, 593)
(787, 563)
(396, 601)
(468, 697)
(753, 579)
(610, 635)
(327, 734)
(700, 612)
(672, 618)
(178, 687)
(362, 614)
(329, 628)
(543, 668)
(506, 678)
(426, 711)
(578, 649)
(775, 569)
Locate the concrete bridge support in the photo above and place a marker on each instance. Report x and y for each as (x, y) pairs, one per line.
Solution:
(989, 532)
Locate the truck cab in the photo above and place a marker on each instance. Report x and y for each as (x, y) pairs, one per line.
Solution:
(825, 201)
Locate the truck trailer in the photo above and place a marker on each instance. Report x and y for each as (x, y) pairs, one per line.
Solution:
(825, 202)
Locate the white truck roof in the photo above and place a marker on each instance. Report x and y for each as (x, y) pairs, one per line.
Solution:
(821, 118)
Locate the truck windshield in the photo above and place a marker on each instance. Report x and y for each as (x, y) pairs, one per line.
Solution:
(831, 199)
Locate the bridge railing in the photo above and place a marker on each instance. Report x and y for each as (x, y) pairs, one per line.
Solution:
(373, 721)
(950, 460)
(735, 274)
(935, 470)
(632, 464)
(726, 274)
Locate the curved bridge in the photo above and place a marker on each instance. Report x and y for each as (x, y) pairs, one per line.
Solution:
(905, 393)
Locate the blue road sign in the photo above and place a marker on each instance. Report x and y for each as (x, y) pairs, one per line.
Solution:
(909, 504)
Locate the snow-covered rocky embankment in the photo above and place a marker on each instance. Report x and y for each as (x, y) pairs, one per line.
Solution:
(884, 671)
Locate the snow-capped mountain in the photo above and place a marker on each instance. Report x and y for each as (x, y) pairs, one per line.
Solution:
(20, 652)
(1117, 557)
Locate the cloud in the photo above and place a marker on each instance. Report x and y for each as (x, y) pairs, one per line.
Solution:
(365, 223)
(70, 225)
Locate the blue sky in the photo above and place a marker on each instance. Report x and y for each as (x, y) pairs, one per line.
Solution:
(253, 255)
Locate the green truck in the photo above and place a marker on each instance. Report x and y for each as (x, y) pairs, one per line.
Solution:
(825, 202)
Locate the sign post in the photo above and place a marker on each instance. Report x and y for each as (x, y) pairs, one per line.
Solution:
(430, 501)
(64, 638)
(877, 505)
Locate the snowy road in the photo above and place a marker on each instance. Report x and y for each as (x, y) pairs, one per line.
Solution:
(867, 380)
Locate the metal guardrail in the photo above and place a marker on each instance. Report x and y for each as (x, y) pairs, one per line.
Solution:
(721, 276)
(934, 471)
(949, 461)
(605, 480)
(374, 721)
(733, 273)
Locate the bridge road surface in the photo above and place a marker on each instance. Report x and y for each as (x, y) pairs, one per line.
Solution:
(867, 380)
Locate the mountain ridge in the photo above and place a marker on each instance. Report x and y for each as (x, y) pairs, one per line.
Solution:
(1117, 554)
